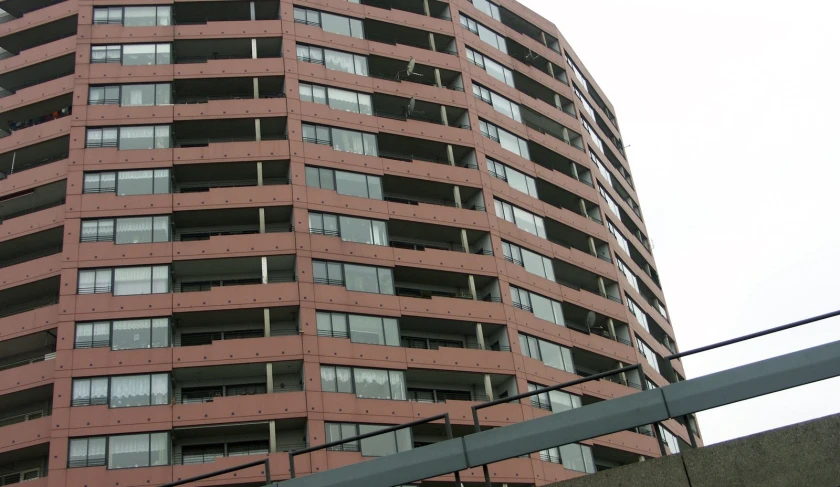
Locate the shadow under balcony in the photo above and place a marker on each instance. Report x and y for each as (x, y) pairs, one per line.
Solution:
(190, 226)
(438, 10)
(549, 159)
(204, 90)
(35, 155)
(527, 85)
(38, 35)
(202, 133)
(411, 191)
(196, 13)
(588, 363)
(398, 108)
(20, 465)
(527, 28)
(427, 283)
(395, 70)
(27, 405)
(28, 349)
(34, 295)
(27, 202)
(192, 51)
(36, 73)
(573, 238)
(31, 247)
(561, 198)
(202, 385)
(408, 149)
(433, 333)
(581, 279)
(204, 328)
(393, 34)
(197, 178)
(203, 275)
(439, 386)
(412, 235)
(206, 444)
(607, 458)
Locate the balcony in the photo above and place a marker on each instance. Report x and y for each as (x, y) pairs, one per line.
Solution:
(197, 178)
(191, 226)
(433, 333)
(27, 349)
(203, 275)
(19, 8)
(203, 385)
(572, 238)
(529, 57)
(192, 51)
(545, 125)
(36, 114)
(607, 458)
(402, 35)
(410, 191)
(202, 133)
(31, 247)
(35, 73)
(26, 405)
(27, 202)
(205, 90)
(413, 282)
(25, 465)
(438, 386)
(198, 13)
(31, 37)
(562, 198)
(588, 363)
(27, 297)
(207, 444)
(395, 108)
(553, 161)
(206, 328)
(408, 149)
(33, 156)
(575, 318)
(577, 278)
(411, 235)
(395, 70)
(438, 10)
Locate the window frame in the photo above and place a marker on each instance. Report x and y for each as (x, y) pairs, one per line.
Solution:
(122, 15)
(347, 317)
(116, 174)
(356, 446)
(339, 233)
(328, 99)
(109, 390)
(112, 284)
(371, 180)
(119, 134)
(354, 390)
(113, 47)
(114, 221)
(110, 342)
(107, 439)
(120, 88)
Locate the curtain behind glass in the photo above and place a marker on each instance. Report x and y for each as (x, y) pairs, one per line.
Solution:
(130, 391)
(366, 329)
(132, 280)
(160, 389)
(131, 334)
(361, 278)
(134, 230)
(139, 16)
(134, 138)
(348, 141)
(372, 384)
(339, 61)
(397, 384)
(128, 451)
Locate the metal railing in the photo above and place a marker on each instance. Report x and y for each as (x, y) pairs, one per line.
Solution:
(41, 162)
(28, 306)
(423, 245)
(27, 361)
(206, 141)
(89, 401)
(31, 256)
(439, 397)
(33, 209)
(357, 438)
(278, 388)
(22, 418)
(194, 236)
(199, 286)
(22, 124)
(265, 463)
(409, 292)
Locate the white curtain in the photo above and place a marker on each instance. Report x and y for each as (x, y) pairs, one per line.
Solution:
(397, 385)
(132, 280)
(99, 388)
(130, 334)
(328, 383)
(128, 451)
(141, 137)
(339, 61)
(160, 279)
(372, 383)
(129, 391)
(160, 389)
(348, 141)
(134, 230)
(344, 379)
(81, 389)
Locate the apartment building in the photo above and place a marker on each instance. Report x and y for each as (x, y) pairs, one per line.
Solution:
(233, 229)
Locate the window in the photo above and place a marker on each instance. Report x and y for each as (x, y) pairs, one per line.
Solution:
(349, 101)
(488, 8)
(340, 139)
(637, 312)
(133, 16)
(622, 242)
(555, 401)
(531, 261)
(485, 34)
(670, 439)
(517, 180)
(592, 133)
(610, 202)
(336, 60)
(507, 140)
(131, 95)
(549, 353)
(104, 95)
(122, 391)
(601, 168)
(373, 330)
(125, 281)
(87, 452)
(577, 72)
(493, 68)
(631, 278)
(577, 457)
(366, 383)
(131, 137)
(375, 446)
(584, 101)
(132, 54)
(335, 24)
(482, 93)
(648, 353)
(124, 334)
(354, 277)
(310, 54)
(343, 182)
(542, 307)
(524, 220)
(124, 183)
(144, 229)
(359, 230)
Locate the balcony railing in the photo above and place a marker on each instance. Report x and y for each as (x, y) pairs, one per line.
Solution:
(28, 306)
(197, 100)
(206, 141)
(89, 401)
(32, 209)
(194, 236)
(31, 256)
(207, 338)
(27, 361)
(416, 200)
(21, 418)
(198, 286)
(33, 165)
(435, 396)
(217, 57)
(16, 125)
(278, 388)
(428, 294)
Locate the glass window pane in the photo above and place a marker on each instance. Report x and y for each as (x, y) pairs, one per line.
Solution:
(160, 279)
(357, 29)
(84, 335)
(397, 385)
(162, 182)
(365, 104)
(372, 383)
(386, 281)
(377, 446)
(163, 92)
(392, 332)
(361, 278)
(328, 381)
(351, 184)
(160, 389)
(339, 324)
(327, 178)
(374, 184)
(348, 141)
(319, 95)
(324, 324)
(344, 100)
(134, 230)
(366, 329)
(162, 138)
(339, 61)
(360, 63)
(133, 138)
(160, 332)
(380, 232)
(128, 451)
(319, 271)
(159, 454)
(160, 229)
(131, 334)
(335, 24)
(140, 16)
(138, 54)
(134, 390)
(132, 280)
(164, 54)
(356, 230)
(572, 457)
(343, 379)
(138, 95)
(164, 15)
(78, 454)
(312, 177)
(371, 148)
(333, 431)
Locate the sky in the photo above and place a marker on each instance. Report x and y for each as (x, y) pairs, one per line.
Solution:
(730, 113)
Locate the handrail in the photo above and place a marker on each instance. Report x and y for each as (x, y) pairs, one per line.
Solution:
(21, 418)
(31, 360)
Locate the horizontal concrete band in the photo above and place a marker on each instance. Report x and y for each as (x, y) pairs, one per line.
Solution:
(693, 395)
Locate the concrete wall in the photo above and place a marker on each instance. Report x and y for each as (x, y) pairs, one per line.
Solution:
(805, 454)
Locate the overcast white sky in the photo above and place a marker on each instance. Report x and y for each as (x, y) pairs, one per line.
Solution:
(731, 110)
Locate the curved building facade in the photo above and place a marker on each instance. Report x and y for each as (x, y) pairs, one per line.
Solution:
(230, 229)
